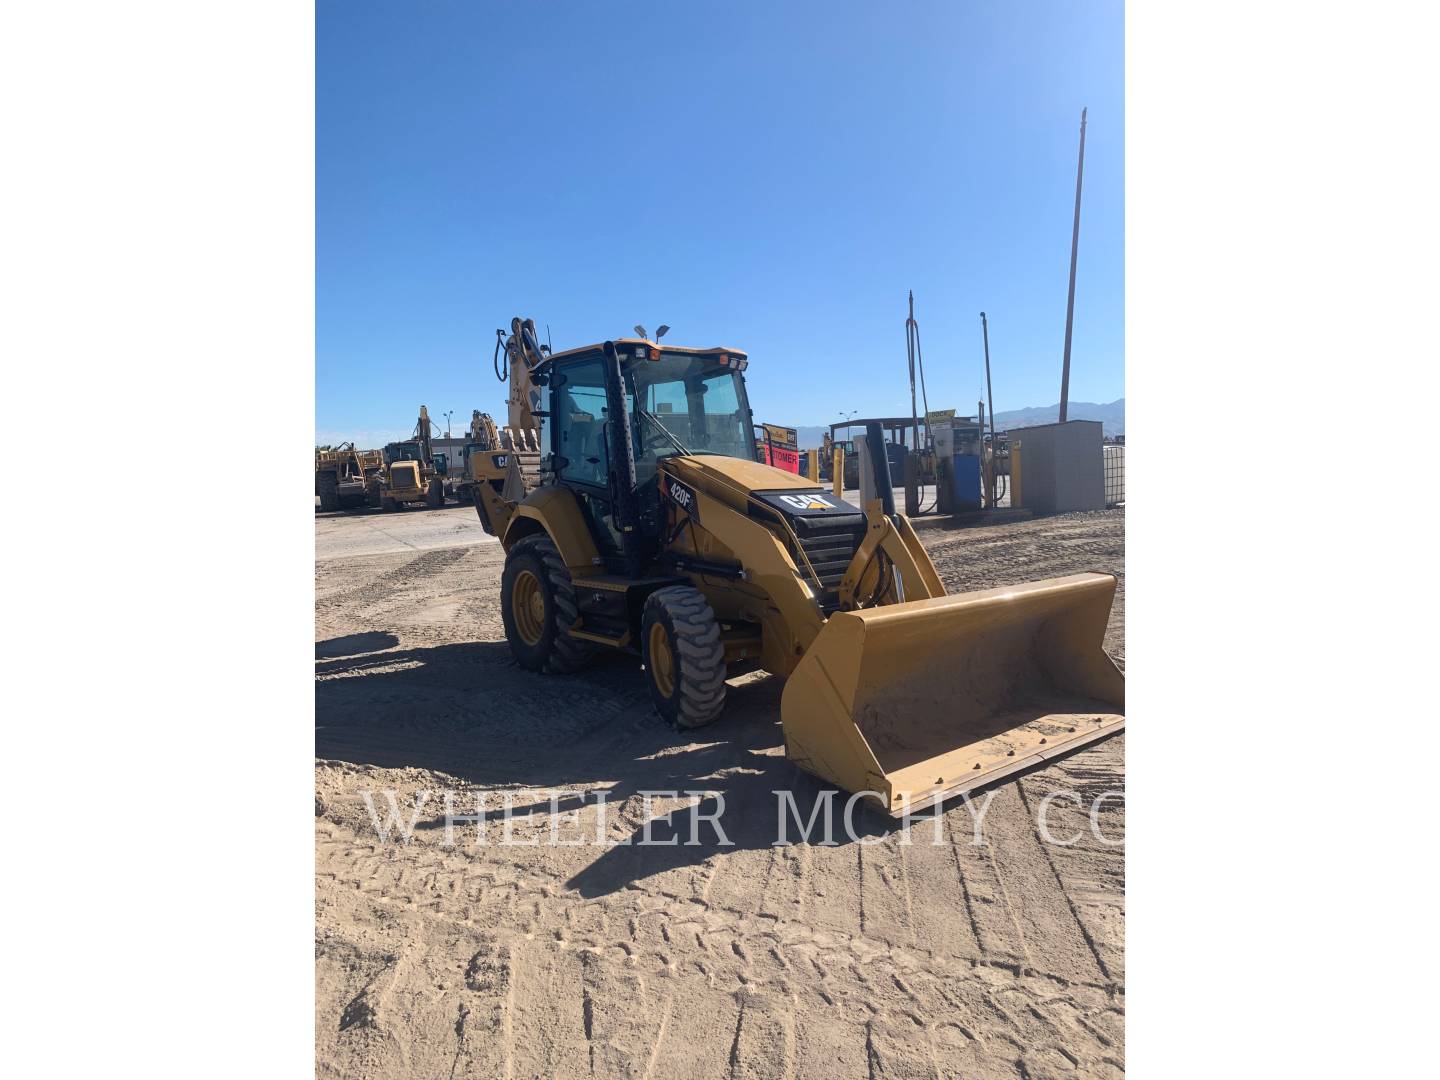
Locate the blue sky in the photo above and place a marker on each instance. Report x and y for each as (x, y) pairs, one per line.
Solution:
(773, 177)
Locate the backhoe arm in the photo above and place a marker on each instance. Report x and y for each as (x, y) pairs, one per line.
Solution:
(523, 354)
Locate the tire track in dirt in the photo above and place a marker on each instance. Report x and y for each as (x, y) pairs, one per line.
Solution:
(727, 1003)
(807, 961)
(382, 589)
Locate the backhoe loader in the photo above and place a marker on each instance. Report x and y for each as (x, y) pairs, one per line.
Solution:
(655, 532)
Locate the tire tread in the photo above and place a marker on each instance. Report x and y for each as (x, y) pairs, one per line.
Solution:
(567, 654)
(700, 651)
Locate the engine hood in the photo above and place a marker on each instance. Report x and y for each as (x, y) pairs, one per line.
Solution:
(720, 476)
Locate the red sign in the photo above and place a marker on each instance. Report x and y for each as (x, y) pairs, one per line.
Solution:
(778, 446)
(789, 460)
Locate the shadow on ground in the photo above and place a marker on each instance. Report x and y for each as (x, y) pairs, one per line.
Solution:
(355, 644)
(467, 711)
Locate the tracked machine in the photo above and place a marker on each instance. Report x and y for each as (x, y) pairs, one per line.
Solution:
(653, 531)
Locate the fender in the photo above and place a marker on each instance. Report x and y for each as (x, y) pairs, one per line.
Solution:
(555, 511)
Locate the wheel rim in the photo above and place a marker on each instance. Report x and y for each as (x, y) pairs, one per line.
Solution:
(527, 605)
(662, 660)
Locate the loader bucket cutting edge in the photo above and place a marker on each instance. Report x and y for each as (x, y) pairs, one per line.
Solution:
(923, 701)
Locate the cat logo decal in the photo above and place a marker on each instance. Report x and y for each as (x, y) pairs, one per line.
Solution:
(807, 502)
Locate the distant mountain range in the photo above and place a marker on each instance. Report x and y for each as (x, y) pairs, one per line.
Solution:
(1111, 414)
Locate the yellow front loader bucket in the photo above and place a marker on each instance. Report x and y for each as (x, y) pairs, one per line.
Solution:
(922, 701)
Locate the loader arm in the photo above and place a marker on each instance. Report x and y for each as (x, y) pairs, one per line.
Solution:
(790, 615)
(896, 540)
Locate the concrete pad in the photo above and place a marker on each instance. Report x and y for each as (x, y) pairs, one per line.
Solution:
(345, 533)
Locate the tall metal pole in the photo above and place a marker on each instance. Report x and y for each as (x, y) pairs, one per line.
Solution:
(910, 354)
(1074, 249)
(990, 407)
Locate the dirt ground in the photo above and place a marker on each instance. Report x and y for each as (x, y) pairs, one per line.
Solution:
(482, 958)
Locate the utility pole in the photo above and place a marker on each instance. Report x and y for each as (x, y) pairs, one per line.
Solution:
(1074, 249)
(990, 398)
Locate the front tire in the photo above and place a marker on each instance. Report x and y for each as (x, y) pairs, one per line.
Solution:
(537, 606)
(435, 495)
(684, 656)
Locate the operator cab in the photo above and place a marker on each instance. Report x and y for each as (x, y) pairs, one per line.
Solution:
(680, 401)
(402, 451)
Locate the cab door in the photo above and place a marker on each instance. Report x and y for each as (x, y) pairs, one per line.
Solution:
(580, 445)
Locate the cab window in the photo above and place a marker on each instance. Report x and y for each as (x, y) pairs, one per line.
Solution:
(577, 405)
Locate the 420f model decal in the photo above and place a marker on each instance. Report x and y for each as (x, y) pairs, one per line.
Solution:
(682, 495)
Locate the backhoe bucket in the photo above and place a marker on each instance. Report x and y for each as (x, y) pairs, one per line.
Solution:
(922, 701)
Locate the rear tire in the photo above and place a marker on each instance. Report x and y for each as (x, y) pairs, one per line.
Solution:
(684, 656)
(328, 490)
(537, 606)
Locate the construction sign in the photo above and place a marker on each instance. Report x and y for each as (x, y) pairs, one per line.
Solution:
(779, 446)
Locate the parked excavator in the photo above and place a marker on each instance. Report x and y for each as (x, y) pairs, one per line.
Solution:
(653, 531)
(483, 439)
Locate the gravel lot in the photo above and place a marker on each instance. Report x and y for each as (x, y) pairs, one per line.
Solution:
(872, 957)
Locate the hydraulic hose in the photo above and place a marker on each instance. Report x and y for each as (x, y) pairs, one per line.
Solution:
(924, 398)
(502, 371)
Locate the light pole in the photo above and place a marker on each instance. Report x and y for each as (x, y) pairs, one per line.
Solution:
(990, 407)
(448, 413)
(1070, 301)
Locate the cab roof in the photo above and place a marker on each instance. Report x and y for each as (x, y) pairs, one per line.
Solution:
(626, 345)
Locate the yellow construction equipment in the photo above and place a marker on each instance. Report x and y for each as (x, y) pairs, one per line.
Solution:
(655, 532)
(345, 476)
(508, 460)
(413, 473)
